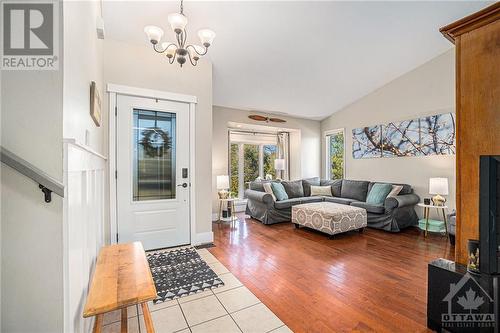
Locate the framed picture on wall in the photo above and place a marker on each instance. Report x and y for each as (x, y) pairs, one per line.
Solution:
(95, 104)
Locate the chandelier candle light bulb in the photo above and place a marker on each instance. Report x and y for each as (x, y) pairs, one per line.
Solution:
(180, 50)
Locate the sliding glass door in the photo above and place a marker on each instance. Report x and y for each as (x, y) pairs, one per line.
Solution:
(247, 162)
(269, 155)
(251, 163)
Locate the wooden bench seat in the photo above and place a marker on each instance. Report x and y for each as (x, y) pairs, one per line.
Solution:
(122, 278)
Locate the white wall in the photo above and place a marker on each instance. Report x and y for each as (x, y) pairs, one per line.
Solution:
(140, 66)
(83, 63)
(427, 90)
(85, 207)
(83, 229)
(38, 109)
(304, 144)
(31, 240)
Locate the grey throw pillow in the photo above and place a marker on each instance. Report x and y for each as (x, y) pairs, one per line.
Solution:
(294, 188)
(306, 184)
(336, 185)
(354, 189)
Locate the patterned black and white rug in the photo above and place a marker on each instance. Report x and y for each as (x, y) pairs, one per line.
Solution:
(179, 273)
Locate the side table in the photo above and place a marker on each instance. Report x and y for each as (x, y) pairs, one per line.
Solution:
(229, 203)
(427, 210)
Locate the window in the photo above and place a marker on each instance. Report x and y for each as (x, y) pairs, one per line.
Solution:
(270, 153)
(335, 159)
(233, 168)
(250, 162)
(247, 161)
(154, 155)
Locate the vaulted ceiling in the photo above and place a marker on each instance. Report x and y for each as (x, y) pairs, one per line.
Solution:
(306, 59)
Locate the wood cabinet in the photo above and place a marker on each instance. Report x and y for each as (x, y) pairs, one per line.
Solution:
(477, 41)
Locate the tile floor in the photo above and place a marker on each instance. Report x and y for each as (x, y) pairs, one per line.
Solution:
(231, 308)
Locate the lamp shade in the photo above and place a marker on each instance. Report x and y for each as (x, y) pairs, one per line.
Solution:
(154, 33)
(279, 164)
(206, 36)
(222, 182)
(177, 21)
(438, 186)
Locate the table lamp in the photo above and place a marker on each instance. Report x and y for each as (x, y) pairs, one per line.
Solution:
(279, 165)
(439, 187)
(223, 186)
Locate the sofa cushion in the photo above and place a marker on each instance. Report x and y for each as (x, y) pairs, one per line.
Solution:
(269, 189)
(378, 193)
(306, 184)
(344, 201)
(374, 209)
(395, 190)
(354, 189)
(321, 191)
(294, 188)
(310, 199)
(258, 185)
(284, 204)
(279, 191)
(405, 190)
(336, 185)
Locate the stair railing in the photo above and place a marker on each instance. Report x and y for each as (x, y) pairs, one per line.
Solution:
(45, 182)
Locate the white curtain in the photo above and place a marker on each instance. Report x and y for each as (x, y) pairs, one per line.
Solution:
(284, 152)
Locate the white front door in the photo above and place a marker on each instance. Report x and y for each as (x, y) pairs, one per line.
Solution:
(152, 161)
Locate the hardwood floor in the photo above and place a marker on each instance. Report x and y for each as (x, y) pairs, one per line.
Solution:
(373, 281)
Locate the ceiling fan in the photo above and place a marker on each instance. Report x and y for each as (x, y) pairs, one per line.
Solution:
(266, 119)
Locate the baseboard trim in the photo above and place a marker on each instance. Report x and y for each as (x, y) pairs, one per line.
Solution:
(204, 238)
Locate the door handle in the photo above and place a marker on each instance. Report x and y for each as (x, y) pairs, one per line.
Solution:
(183, 185)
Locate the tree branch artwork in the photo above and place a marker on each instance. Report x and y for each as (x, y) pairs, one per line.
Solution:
(433, 135)
(366, 142)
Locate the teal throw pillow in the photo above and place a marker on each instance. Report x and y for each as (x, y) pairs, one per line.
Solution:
(279, 191)
(378, 193)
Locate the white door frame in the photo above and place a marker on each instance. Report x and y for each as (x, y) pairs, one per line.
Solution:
(113, 91)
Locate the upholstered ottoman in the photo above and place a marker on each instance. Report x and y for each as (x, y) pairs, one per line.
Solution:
(329, 217)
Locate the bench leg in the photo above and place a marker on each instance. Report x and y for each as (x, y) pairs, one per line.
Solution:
(361, 230)
(296, 225)
(147, 318)
(98, 323)
(124, 323)
(331, 236)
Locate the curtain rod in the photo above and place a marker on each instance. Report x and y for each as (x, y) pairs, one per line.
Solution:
(255, 132)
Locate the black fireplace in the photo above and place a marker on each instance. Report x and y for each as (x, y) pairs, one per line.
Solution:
(489, 221)
(461, 301)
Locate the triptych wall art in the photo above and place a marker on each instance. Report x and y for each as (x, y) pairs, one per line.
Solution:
(433, 135)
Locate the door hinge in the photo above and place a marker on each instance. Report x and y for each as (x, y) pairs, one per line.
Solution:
(116, 174)
(116, 111)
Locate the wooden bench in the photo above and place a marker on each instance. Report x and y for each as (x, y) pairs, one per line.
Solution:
(122, 278)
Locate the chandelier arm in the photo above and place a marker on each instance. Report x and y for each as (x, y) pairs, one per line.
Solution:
(191, 60)
(158, 51)
(194, 48)
(171, 60)
(178, 40)
(184, 39)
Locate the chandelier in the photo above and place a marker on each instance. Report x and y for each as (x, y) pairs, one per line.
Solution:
(179, 50)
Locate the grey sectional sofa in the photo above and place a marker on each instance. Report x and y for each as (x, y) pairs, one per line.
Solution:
(397, 212)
